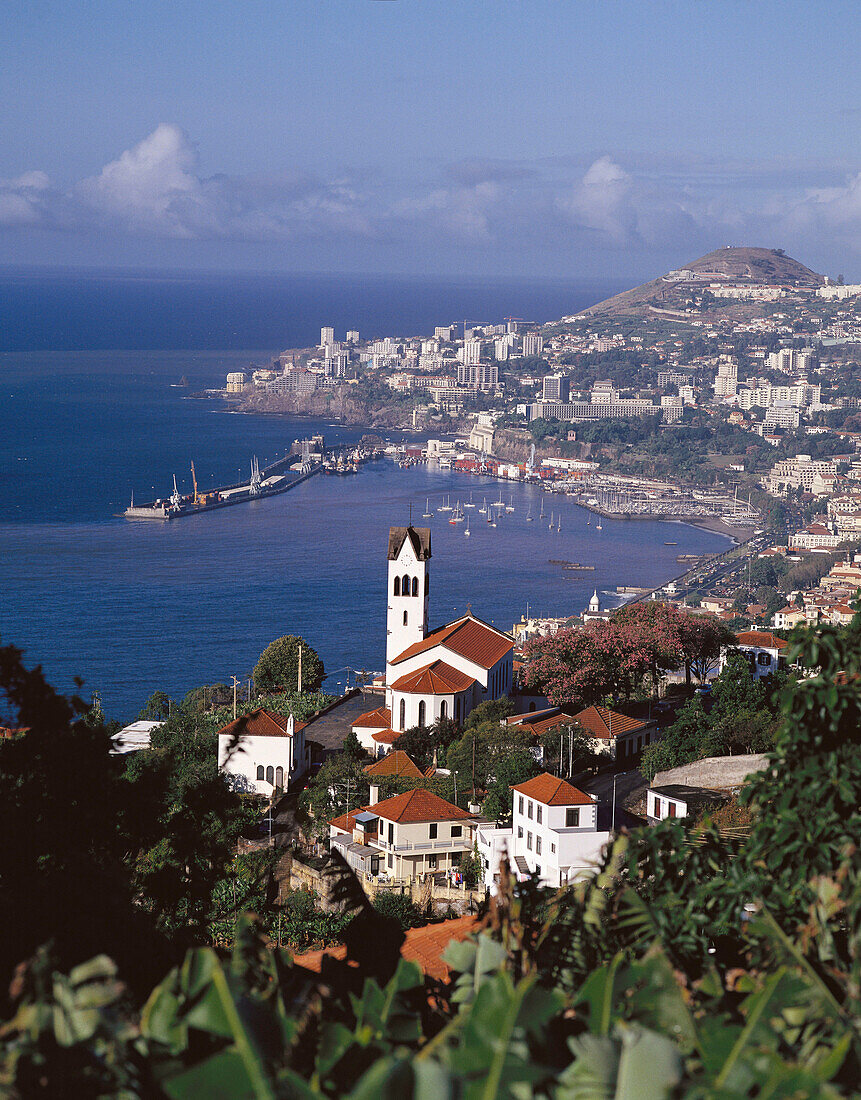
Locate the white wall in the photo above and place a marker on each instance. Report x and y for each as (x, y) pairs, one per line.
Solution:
(276, 752)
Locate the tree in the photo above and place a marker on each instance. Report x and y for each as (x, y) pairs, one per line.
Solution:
(568, 749)
(702, 639)
(471, 868)
(687, 739)
(278, 666)
(157, 708)
(493, 757)
(567, 667)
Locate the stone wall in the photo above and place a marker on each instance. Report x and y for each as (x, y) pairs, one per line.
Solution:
(714, 772)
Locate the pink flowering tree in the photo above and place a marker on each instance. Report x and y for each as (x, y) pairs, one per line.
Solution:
(568, 667)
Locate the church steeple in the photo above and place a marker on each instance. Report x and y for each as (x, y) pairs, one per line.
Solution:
(408, 588)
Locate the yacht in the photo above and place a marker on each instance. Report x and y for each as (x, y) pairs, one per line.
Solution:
(483, 509)
(510, 506)
(550, 525)
(466, 531)
(529, 515)
(446, 506)
(469, 503)
(541, 513)
(427, 514)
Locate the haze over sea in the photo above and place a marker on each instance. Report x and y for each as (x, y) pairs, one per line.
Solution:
(135, 607)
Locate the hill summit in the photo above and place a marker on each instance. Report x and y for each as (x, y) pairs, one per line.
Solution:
(752, 266)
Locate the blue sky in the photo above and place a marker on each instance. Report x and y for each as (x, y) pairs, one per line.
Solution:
(555, 137)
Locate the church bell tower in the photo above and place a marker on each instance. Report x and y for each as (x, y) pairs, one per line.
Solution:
(408, 588)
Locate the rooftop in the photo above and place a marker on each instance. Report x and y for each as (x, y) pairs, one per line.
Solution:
(761, 638)
(552, 791)
(260, 723)
(374, 719)
(418, 806)
(396, 763)
(605, 724)
(437, 678)
(468, 637)
(420, 541)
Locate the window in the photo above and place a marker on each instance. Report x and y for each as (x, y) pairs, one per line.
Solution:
(403, 713)
(421, 712)
(443, 709)
(538, 810)
(456, 831)
(765, 658)
(415, 586)
(529, 810)
(279, 777)
(520, 832)
(671, 809)
(427, 584)
(538, 868)
(572, 817)
(270, 774)
(538, 845)
(657, 807)
(391, 834)
(432, 862)
(406, 617)
(261, 772)
(529, 841)
(397, 588)
(432, 829)
(552, 847)
(520, 804)
(390, 862)
(405, 586)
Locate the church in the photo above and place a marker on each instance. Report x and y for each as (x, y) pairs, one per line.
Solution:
(430, 674)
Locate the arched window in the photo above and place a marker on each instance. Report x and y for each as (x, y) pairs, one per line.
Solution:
(261, 771)
(415, 586)
(270, 774)
(443, 709)
(405, 586)
(397, 588)
(403, 713)
(405, 618)
(421, 712)
(279, 777)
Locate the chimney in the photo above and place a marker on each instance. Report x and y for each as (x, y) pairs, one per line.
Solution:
(375, 794)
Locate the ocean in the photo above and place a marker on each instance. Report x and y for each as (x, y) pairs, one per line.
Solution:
(136, 607)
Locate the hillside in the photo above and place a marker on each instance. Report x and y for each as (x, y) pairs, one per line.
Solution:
(753, 266)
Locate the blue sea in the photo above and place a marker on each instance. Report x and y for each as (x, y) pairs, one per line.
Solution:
(138, 607)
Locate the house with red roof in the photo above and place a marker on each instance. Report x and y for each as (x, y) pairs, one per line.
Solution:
(619, 735)
(404, 837)
(262, 752)
(430, 674)
(554, 833)
(763, 649)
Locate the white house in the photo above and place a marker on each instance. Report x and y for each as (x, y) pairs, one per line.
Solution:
(763, 650)
(554, 833)
(133, 738)
(676, 800)
(262, 752)
(444, 673)
(405, 836)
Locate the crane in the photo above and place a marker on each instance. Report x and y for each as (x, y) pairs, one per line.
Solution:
(194, 482)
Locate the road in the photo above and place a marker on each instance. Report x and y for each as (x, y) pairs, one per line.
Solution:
(627, 784)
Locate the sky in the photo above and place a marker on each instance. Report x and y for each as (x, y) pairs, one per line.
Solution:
(520, 137)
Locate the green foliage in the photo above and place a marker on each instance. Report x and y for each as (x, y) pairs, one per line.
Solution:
(494, 710)
(157, 708)
(399, 907)
(278, 666)
(492, 757)
(472, 868)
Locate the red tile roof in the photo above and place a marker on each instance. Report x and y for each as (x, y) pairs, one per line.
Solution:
(761, 638)
(422, 945)
(540, 721)
(375, 719)
(605, 724)
(417, 806)
(552, 791)
(346, 822)
(469, 637)
(385, 737)
(260, 723)
(437, 678)
(395, 763)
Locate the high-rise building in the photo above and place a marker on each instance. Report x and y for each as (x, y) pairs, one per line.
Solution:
(471, 351)
(726, 379)
(327, 336)
(443, 332)
(533, 343)
(353, 336)
(557, 387)
(501, 349)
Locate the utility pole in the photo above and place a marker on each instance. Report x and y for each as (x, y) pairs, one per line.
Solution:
(300, 668)
(235, 683)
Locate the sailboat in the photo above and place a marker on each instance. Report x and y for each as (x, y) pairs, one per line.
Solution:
(469, 503)
(466, 532)
(529, 515)
(446, 507)
(559, 523)
(541, 513)
(458, 515)
(510, 506)
(598, 526)
(483, 509)
(427, 514)
(550, 525)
